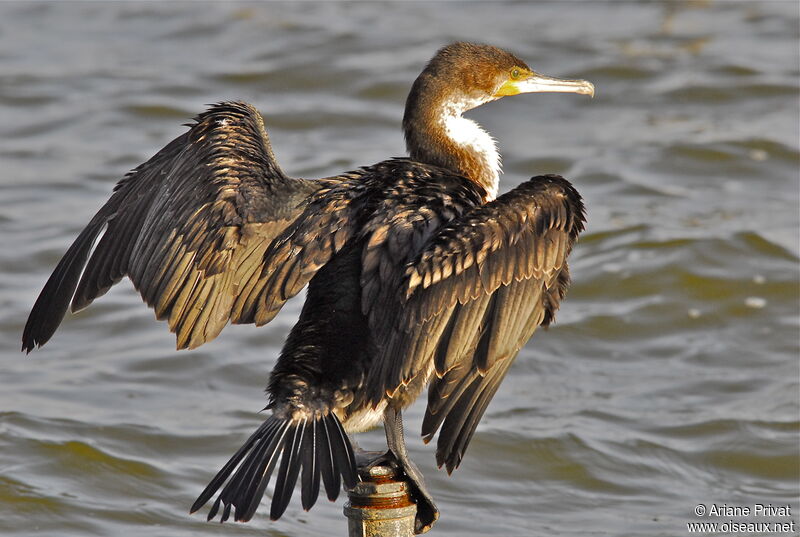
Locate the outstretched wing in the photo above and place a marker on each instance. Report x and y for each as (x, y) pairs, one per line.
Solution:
(470, 300)
(189, 227)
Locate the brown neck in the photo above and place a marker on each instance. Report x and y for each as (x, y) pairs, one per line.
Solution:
(436, 133)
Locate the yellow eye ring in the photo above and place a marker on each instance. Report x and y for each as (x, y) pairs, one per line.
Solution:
(515, 73)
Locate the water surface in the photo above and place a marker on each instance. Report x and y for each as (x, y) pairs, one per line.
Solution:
(670, 378)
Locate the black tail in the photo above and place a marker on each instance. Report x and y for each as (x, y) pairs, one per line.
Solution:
(318, 445)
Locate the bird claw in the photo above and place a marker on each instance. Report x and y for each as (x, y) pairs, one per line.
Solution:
(427, 512)
(367, 460)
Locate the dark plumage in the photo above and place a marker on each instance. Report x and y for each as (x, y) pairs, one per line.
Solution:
(416, 275)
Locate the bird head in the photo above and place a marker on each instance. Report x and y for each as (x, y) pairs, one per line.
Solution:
(468, 75)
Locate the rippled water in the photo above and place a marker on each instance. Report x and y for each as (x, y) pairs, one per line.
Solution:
(669, 380)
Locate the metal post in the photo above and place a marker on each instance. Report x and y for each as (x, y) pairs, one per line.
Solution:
(380, 505)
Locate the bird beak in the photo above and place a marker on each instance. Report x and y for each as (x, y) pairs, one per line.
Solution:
(537, 83)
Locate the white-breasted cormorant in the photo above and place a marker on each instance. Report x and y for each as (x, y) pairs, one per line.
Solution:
(417, 274)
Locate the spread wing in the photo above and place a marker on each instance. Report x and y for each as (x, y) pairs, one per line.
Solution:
(190, 228)
(472, 297)
(328, 222)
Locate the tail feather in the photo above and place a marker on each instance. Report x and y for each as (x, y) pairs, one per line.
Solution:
(343, 455)
(255, 470)
(330, 478)
(251, 480)
(311, 469)
(316, 449)
(287, 475)
(223, 474)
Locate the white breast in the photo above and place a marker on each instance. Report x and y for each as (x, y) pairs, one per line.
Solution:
(469, 135)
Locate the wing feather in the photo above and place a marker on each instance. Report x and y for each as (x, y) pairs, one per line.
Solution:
(469, 299)
(190, 228)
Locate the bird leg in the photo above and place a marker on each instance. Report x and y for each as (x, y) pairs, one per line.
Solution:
(397, 457)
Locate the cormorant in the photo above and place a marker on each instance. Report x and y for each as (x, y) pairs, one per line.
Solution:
(418, 275)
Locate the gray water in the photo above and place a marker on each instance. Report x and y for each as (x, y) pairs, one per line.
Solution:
(669, 380)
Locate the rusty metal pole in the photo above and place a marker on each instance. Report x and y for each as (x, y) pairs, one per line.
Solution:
(380, 505)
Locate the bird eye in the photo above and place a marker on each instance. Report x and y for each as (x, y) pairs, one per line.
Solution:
(515, 73)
